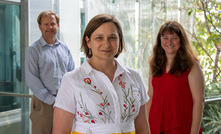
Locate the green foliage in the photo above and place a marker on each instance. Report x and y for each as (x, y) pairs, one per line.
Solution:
(213, 90)
(212, 118)
(208, 44)
(190, 11)
(208, 36)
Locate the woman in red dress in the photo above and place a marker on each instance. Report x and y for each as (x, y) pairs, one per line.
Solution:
(176, 84)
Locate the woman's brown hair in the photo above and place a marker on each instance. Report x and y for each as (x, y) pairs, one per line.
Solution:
(184, 58)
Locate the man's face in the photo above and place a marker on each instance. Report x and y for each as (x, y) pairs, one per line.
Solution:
(49, 27)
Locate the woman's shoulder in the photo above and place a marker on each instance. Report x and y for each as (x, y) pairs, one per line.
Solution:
(196, 65)
(130, 70)
(75, 78)
(76, 73)
(132, 73)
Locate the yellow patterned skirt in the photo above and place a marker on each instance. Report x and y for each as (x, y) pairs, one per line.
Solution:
(110, 133)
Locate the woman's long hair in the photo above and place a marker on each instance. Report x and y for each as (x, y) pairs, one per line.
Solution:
(184, 58)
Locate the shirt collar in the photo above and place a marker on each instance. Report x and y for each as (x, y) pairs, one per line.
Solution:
(120, 69)
(86, 66)
(44, 43)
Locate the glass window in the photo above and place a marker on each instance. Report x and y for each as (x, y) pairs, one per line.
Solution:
(14, 110)
(82, 24)
(10, 72)
(82, 56)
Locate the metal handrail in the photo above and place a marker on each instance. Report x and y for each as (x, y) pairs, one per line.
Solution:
(212, 100)
(15, 94)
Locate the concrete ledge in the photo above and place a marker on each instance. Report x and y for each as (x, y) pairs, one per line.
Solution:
(10, 117)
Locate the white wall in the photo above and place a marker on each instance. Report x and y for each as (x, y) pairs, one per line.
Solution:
(70, 20)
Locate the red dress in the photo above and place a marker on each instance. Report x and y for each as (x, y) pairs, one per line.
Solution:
(172, 105)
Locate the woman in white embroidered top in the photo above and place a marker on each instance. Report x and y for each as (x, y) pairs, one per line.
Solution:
(101, 96)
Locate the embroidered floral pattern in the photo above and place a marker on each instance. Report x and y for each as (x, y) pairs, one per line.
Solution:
(129, 110)
(86, 116)
(104, 111)
(87, 80)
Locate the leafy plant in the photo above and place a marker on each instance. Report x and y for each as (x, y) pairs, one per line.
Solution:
(207, 41)
(212, 118)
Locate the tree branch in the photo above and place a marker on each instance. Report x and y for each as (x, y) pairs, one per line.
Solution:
(198, 42)
(204, 12)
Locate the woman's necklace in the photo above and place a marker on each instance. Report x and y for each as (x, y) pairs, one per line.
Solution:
(169, 65)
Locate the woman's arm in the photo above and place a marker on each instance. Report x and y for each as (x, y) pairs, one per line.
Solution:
(63, 121)
(150, 94)
(197, 87)
(141, 122)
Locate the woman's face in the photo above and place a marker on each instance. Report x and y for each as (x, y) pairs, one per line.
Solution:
(104, 42)
(170, 42)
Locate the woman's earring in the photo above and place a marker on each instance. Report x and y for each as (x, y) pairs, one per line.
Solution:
(90, 52)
